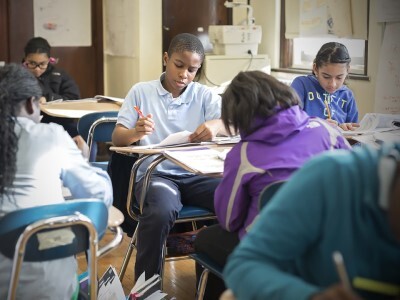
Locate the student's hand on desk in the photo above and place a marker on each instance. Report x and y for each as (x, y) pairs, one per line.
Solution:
(336, 292)
(80, 142)
(349, 126)
(145, 125)
(206, 131)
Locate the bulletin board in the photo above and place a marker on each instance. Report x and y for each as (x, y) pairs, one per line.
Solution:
(387, 97)
(63, 23)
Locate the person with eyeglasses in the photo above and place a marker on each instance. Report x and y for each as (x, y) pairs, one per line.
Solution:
(55, 83)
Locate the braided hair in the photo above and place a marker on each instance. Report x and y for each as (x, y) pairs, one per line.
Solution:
(16, 86)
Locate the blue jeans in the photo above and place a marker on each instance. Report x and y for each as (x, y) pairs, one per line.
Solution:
(164, 200)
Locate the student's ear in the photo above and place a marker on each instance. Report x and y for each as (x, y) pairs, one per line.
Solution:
(165, 59)
(315, 69)
(30, 105)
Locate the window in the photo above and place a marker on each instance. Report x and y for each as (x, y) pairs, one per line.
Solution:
(297, 53)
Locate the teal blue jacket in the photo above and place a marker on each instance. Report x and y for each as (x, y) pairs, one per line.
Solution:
(331, 204)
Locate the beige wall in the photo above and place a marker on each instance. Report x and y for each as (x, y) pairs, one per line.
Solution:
(122, 72)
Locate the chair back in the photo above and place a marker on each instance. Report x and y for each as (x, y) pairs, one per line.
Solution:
(38, 234)
(268, 192)
(97, 127)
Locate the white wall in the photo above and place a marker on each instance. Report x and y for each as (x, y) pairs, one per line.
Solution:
(121, 72)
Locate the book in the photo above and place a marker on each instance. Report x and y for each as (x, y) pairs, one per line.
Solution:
(115, 99)
(375, 122)
(199, 160)
(147, 289)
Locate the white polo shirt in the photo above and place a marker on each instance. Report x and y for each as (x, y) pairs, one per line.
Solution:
(196, 105)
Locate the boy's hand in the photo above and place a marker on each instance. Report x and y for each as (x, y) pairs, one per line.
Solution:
(145, 125)
(206, 131)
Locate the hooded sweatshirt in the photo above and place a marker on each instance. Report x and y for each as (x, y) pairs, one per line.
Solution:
(279, 145)
(342, 104)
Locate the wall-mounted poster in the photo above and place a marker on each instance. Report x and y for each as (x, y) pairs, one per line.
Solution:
(63, 23)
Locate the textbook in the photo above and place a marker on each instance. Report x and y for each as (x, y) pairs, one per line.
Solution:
(147, 289)
(199, 160)
(374, 122)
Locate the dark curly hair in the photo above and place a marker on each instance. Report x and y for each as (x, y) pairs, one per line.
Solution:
(16, 86)
(186, 42)
(254, 94)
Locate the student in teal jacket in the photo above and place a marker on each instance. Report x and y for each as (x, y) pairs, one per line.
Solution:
(346, 201)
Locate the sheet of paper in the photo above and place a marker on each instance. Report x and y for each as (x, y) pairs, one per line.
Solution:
(176, 138)
(203, 160)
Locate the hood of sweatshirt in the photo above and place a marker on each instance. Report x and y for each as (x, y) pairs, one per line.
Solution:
(278, 127)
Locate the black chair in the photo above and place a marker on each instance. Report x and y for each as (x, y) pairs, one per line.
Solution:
(88, 221)
(211, 266)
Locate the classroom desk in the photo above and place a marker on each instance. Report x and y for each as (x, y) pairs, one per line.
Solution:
(75, 109)
(159, 157)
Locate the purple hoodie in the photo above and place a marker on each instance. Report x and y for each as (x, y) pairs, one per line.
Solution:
(280, 145)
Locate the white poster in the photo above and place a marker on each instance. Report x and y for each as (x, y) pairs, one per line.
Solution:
(387, 96)
(63, 23)
(325, 17)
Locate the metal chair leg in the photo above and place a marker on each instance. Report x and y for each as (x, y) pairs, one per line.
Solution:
(128, 255)
(201, 288)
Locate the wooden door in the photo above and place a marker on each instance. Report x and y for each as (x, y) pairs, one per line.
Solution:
(193, 16)
(84, 64)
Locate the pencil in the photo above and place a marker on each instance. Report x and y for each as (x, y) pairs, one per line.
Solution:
(328, 110)
(341, 269)
(376, 286)
(139, 111)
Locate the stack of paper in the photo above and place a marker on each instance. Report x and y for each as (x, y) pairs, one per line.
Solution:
(374, 122)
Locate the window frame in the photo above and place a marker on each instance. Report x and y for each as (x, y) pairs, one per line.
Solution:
(286, 52)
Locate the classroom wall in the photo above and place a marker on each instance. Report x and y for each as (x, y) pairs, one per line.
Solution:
(122, 72)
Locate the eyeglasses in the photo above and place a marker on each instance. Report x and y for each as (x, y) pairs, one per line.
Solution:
(34, 65)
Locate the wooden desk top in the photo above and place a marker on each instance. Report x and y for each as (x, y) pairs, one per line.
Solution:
(77, 108)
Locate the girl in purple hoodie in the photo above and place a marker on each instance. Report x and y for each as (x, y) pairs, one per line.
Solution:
(277, 138)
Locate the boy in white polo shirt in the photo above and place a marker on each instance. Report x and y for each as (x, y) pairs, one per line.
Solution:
(170, 104)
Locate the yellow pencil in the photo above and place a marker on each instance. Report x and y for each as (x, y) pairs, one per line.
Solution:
(376, 286)
(327, 109)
